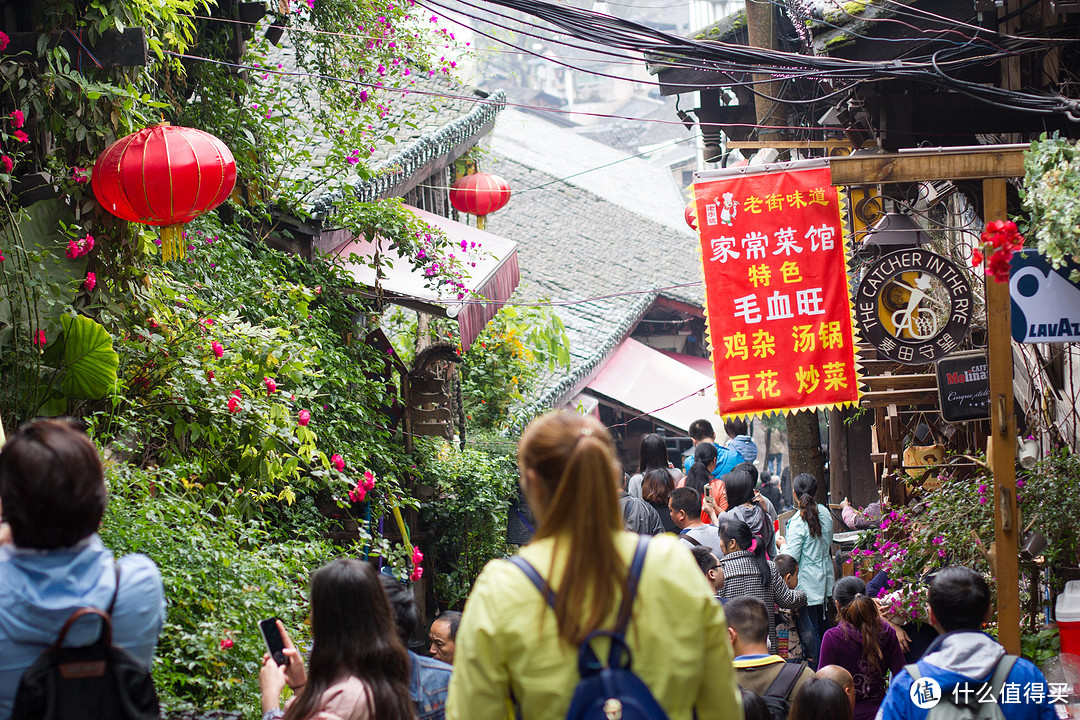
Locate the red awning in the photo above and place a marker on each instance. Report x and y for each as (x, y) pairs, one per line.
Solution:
(494, 277)
(659, 385)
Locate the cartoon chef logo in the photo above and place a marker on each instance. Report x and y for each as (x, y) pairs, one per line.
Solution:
(728, 208)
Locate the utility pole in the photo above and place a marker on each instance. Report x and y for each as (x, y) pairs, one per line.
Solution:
(804, 438)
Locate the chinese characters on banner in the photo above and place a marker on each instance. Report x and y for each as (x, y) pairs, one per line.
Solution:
(776, 288)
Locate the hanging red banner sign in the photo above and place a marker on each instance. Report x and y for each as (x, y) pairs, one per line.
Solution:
(776, 287)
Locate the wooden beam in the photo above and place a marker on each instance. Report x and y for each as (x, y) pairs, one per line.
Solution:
(900, 382)
(1002, 443)
(899, 397)
(973, 163)
(113, 49)
(792, 144)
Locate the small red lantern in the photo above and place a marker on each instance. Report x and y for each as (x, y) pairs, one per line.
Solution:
(164, 176)
(691, 215)
(479, 194)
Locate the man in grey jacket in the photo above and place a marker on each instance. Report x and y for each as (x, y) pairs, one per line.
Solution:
(640, 517)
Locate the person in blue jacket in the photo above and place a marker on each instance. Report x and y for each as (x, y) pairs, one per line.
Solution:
(963, 658)
(53, 494)
(740, 447)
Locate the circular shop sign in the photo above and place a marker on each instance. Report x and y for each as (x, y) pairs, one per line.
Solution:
(914, 306)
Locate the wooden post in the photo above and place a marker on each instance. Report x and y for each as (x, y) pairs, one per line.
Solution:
(762, 32)
(1002, 442)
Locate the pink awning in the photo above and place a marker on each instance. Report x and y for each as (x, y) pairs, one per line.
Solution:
(659, 385)
(495, 276)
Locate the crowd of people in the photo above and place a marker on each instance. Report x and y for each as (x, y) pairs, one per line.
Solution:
(676, 576)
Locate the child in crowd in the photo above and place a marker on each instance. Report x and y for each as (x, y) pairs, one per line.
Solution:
(789, 645)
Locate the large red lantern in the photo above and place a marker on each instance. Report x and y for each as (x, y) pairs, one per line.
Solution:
(164, 176)
(479, 194)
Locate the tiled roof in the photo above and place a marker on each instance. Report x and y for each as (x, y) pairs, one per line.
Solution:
(574, 245)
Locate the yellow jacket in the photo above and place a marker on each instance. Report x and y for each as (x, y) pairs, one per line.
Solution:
(508, 640)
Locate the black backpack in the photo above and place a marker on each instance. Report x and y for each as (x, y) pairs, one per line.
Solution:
(94, 682)
(776, 696)
(611, 690)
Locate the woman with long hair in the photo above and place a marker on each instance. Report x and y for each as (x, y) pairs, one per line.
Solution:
(746, 505)
(863, 644)
(513, 649)
(809, 541)
(652, 455)
(358, 669)
(656, 490)
(748, 572)
(700, 477)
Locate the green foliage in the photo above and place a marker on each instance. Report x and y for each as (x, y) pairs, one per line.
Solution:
(473, 488)
(1041, 647)
(221, 576)
(1051, 187)
(505, 361)
(89, 358)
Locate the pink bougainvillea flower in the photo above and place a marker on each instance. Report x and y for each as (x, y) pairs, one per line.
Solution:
(3, 40)
(21, 136)
(234, 403)
(39, 339)
(303, 418)
(338, 462)
(91, 281)
(80, 174)
(226, 643)
(9, 164)
(417, 556)
(271, 386)
(216, 347)
(17, 118)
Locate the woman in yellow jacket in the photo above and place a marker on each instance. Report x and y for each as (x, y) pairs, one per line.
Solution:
(513, 650)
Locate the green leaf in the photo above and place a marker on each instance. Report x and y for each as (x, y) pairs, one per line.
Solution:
(89, 358)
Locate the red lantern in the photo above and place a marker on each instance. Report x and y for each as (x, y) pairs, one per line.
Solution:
(479, 194)
(164, 176)
(691, 215)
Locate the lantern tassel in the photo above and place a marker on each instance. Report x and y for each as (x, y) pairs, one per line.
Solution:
(480, 222)
(172, 243)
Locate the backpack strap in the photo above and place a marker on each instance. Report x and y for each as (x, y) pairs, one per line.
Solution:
(534, 576)
(1001, 673)
(693, 541)
(785, 680)
(913, 671)
(116, 590)
(632, 580)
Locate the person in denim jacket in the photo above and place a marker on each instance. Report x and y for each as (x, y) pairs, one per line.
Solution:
(428, 678)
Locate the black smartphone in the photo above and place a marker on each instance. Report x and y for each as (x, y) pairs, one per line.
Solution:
(275, 643)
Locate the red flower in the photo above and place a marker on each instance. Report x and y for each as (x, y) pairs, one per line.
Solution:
(216, 347)
(976, 257)
(271, 386)
(80, 175)
(21, 136)
(3, 41)
(304, 418)
(999, 265)
(72, 250)
(226, 643)
(357, 494)
(9, 164)
(338, 462)
(210, 375)
(91, 281)
(417, 556)
(234, 403)
(416, 574)
(17, 118)
(237, 392)
(369, 480)
(40, 339)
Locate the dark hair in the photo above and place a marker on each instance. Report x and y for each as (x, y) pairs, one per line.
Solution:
(820, 699)
(452, 618)
(51, 485)
(403, 603)
(740, 532)
(698, 477)
(705, 453)
(656, 486)
(749, 617)
(960, 598)
(652, 453)
(753, 706)
(747, 468)
(706, 560)
(354, 634)
(701, 429)
(740, 487)
(786, 565)
(805, 490)
(687, 500)
(735, 427)
(859, 611)
(572, 459)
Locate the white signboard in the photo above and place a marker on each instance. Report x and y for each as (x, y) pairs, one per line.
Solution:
(1045, 305)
